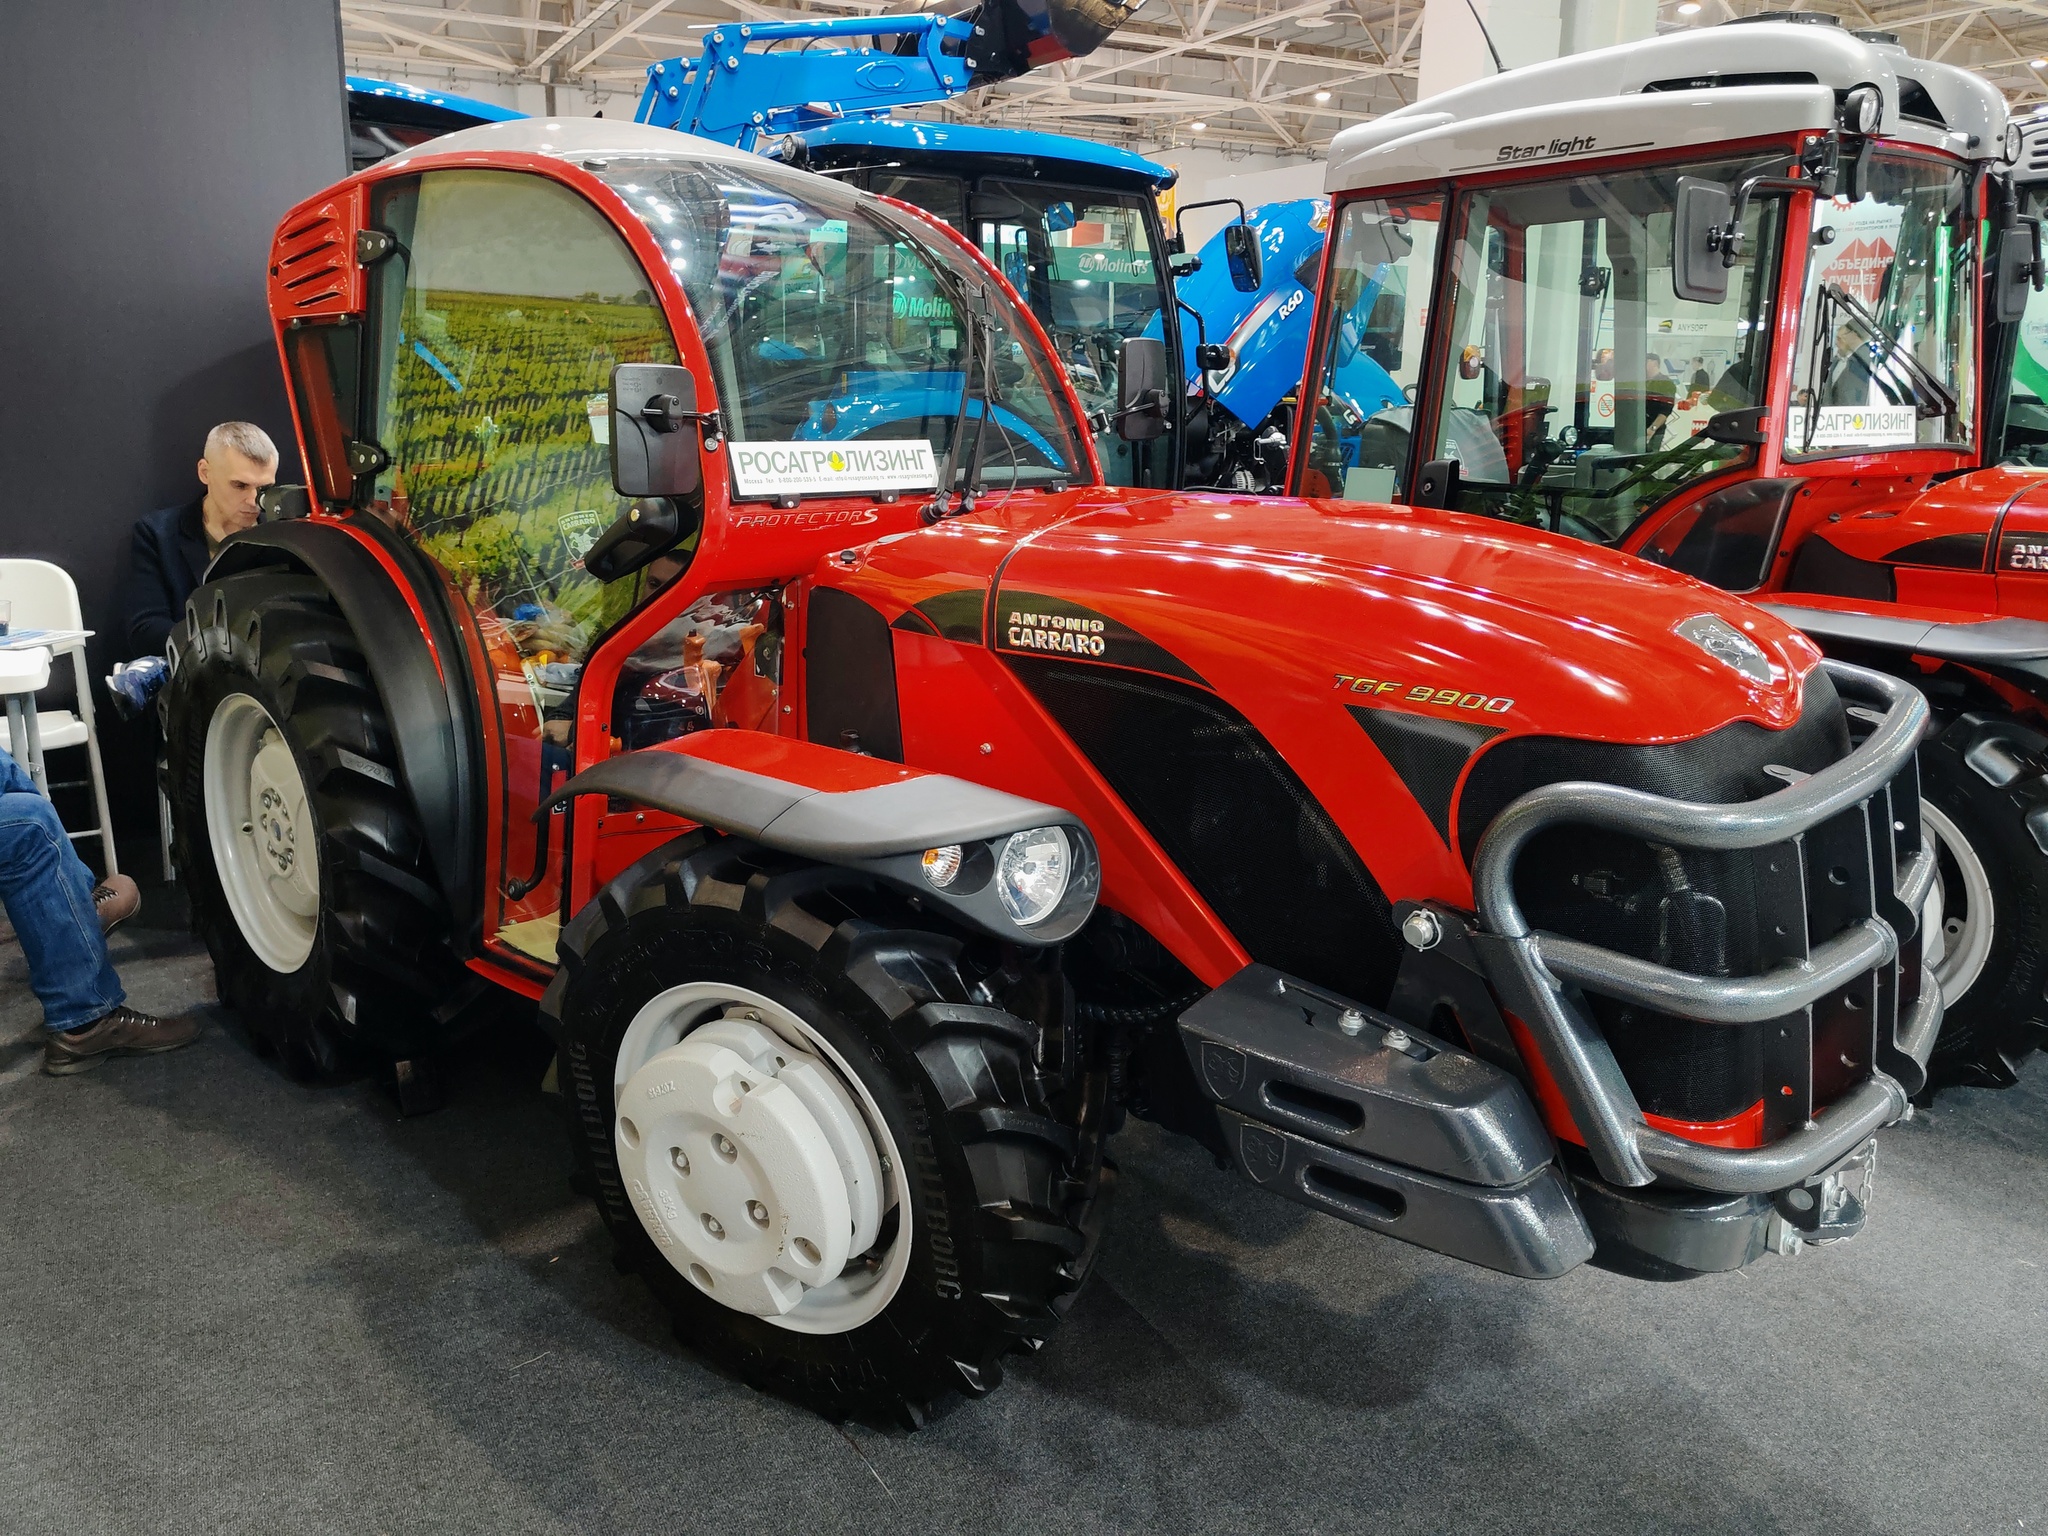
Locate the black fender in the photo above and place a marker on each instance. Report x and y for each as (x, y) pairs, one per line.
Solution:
(2015, 650)
(844, 808)
(432, 712)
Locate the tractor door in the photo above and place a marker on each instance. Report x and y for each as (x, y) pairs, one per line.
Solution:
(496, 324)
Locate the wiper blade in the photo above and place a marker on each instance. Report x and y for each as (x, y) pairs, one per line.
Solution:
(1892, 353)
(972, 308)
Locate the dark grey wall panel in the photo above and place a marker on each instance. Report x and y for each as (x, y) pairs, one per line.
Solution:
(147, 150)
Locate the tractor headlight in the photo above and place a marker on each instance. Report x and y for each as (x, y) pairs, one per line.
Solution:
(942, 865)
(2015, 142)
(1863, 109)
(1032, 873)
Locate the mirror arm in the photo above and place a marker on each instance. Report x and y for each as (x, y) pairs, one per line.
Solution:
(1728, 239)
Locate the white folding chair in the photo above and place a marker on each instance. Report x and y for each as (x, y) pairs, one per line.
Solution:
(45, 597)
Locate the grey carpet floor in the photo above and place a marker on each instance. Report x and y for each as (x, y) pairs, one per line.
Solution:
(230, 1303)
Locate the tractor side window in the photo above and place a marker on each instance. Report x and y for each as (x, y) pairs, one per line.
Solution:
(830, 322)
(499, 319)
(943, 197)
(1371, 348)
(2025, 439)
(1576, 387)
(326, 368)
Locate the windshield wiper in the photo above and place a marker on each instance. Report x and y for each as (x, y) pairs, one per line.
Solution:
(1927, 388)
(973, 309)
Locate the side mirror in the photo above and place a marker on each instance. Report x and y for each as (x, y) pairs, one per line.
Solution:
(1698, 224)
(1241, 251)
(651, 528)
(1141, 389)
(1060, 216)
(2019, 269)
(652, 405)
(278, 503)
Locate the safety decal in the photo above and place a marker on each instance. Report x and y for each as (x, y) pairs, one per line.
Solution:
(832, 469)
(1029, 624)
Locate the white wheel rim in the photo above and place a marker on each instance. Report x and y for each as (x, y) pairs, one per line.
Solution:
(261, 830)
(1963, 910)
(757, 1160)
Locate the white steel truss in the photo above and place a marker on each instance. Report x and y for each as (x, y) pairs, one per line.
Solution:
(1278, 76)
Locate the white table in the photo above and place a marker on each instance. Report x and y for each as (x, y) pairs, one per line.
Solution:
(24, 671)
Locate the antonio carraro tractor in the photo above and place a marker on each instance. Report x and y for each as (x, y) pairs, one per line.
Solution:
(877, 830)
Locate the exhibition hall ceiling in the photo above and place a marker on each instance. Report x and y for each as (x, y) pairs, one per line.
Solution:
(1278, 76)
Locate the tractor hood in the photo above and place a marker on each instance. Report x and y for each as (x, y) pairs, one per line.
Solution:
(1411, 609)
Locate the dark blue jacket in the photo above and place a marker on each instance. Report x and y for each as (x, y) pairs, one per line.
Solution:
(166, 560)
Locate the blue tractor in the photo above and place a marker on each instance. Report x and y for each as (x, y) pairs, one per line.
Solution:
(1249, 403)
(387, 117)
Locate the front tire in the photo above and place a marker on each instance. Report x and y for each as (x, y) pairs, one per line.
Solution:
(1985, 781)
(306, 868)
(692, 988)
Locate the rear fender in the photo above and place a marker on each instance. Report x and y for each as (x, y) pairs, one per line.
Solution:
(858, 812)
(416, 661)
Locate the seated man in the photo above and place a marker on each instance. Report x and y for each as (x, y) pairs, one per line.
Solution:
(62, 919)
(173, 546)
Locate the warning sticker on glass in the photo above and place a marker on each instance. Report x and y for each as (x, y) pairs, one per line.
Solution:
(832, 469)
(1844, 426)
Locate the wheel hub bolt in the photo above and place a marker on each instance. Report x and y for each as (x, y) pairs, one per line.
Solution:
(679, 1160)
(757, 1213)
(724, 1148)
(712, 1225)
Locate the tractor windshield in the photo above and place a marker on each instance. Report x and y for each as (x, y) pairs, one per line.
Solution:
(828, 320)
(1576, 389)
(1085, 263)
(1886, 337)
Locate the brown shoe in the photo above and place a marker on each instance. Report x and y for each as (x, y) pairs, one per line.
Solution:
(124, 1032)
(115, 899)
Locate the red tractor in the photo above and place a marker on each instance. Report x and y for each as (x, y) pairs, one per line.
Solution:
(1735, 317)
(879, 821)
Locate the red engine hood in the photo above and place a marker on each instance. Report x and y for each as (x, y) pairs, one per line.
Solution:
(1427, 607)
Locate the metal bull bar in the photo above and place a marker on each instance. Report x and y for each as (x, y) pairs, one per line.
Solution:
(1531, 970)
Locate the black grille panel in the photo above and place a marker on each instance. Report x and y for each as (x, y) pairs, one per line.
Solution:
(1234, 818)
(1714, 914)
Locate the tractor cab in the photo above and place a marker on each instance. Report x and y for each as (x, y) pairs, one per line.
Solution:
(1073, 225)
(1658, 299)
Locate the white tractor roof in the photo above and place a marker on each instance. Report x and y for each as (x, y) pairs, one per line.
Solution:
(576, 138)
(1702, 86)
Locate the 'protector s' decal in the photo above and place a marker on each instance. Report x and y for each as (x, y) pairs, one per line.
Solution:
(1031, 625)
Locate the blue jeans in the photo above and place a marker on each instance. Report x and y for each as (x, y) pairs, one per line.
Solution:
(48, 893)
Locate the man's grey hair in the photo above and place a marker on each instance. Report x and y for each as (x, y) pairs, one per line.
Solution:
(245, 437)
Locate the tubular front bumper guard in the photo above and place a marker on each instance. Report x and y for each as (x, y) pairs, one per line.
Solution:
(1535, 974)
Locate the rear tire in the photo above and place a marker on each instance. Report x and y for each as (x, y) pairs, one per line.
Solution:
(971, 1082)
(1986, 779)
(324, 920)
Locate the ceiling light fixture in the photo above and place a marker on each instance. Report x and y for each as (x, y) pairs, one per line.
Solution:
(1197, 125)
(2037, 63)
(1690, 8)
(1322, 95)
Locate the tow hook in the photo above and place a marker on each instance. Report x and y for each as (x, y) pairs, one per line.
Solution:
(1829, 1208)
